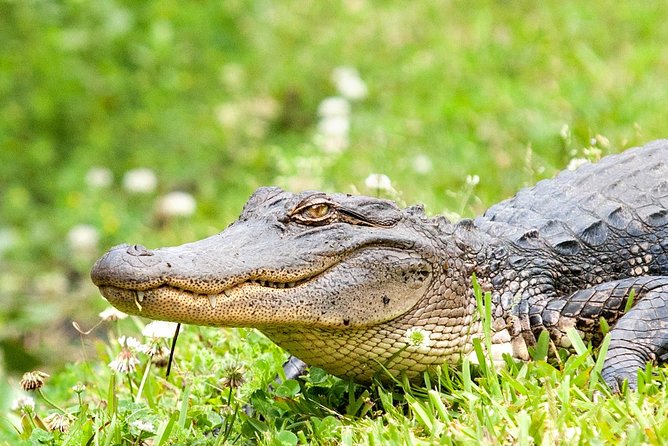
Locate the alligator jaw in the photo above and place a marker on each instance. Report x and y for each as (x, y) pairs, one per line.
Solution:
(324, 300)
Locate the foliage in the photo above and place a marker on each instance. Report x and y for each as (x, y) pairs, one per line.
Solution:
(466, 103)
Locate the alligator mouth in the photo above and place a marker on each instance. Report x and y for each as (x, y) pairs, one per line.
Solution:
(140, 295)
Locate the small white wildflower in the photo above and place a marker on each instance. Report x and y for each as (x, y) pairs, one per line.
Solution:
(418, 337)
(422, 164)
(141, 180)
(23, 402)
(125, 362)
(129, 342)
(472, 180)
(143, 426)
(334, 106)
(349, 84)
(99, 177)
(159, 329)
(112, 314)
(83, 239)
(575, 163)
(378, 181)
(52, 283)
(176, 204)
(57, 422)
(334, 126)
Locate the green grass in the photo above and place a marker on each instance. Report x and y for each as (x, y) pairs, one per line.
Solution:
(219, 98)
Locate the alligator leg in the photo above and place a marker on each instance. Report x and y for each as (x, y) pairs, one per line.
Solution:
(294, 367)
(639, 336)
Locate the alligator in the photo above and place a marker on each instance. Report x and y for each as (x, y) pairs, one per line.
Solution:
(359, 287)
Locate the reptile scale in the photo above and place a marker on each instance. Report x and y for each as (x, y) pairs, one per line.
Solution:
(344, 282)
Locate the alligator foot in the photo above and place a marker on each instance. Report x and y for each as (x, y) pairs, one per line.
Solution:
(294, 368)
(641, 335)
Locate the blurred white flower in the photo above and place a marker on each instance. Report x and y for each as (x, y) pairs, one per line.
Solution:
(378, 181)
(229, 115)
(232, 76)
(349, 84)
(422, 164)
(125, 362)
(112, 314)
(472, 180)
(334, 125)
(575, 163)
(99, 177)
(57, 422)
(332, 143)
(141, 180)
(159, 329)
(83, 239)
(23, 402)
(129, 342)
(176, 204)
(142, 426)
(53, 283)
(334, 106)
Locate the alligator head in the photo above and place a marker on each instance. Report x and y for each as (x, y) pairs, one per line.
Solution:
(335, 279)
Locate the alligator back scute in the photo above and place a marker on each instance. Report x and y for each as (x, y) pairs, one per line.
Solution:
(601, 209)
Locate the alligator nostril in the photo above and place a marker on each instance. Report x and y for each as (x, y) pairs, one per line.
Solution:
(139, 250)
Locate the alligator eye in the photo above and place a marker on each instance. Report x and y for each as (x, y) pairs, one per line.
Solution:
(316, 211)
(319, 213)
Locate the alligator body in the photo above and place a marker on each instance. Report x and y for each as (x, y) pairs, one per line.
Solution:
(355, 284)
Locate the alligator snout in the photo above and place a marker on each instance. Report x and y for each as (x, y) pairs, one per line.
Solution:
(128, 266)
(138, 250)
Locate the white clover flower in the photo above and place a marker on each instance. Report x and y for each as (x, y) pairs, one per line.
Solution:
(112, 314)
(418, 337)
(334, 106)
(422, 164)
(143, 426)
(57, 422)
(125, 362)
(159, 329)
(129, 342)
(83, 239)
(575, 163)
(349, 84)
(378, 181)
(176, 204)
(99, 177)
(141, 180)
(23, 402)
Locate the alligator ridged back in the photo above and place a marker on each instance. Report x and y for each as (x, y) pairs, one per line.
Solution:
(598, 210)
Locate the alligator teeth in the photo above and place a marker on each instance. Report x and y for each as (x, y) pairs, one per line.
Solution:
(213, 300)
(270, 284)
(226, 292)
(140, 296)
(137, 299)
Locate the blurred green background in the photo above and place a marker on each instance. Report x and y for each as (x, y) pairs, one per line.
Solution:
(217, 98)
